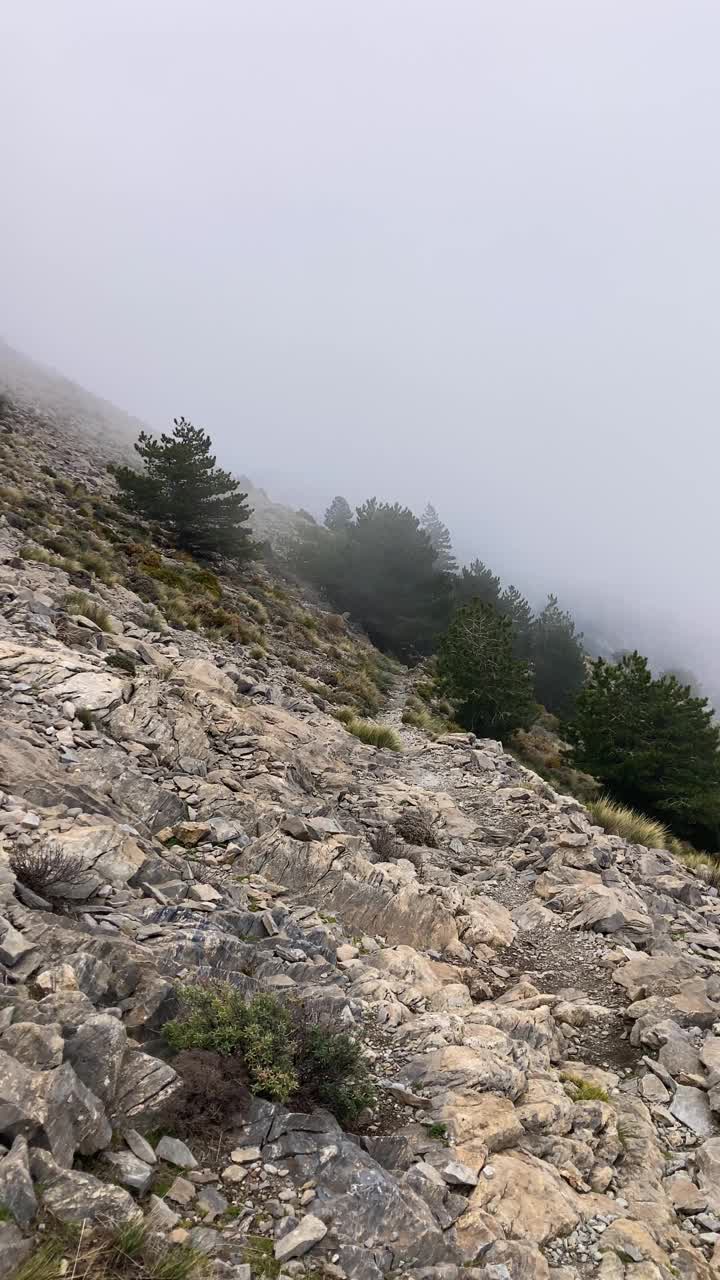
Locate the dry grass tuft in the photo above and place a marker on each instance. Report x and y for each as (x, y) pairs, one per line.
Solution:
(375, 735)
(620, 820)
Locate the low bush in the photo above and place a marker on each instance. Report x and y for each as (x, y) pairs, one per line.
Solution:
(78, 603)
(275, 1049)
(415, 826)
(47, 872)
(332, 1070)
(620, 820)
(375, 735)
(583, 1090)
(215, 1091)
(704, 865)
(215, 1017)
(96, 564)
(345, 715)
(386, 844)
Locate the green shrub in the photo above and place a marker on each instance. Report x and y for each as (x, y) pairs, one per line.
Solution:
(217, 1018)
(345, 715)
(40, 554)
(282, 1052)
(96, 564)
(583, 1090)
(375, 735)
(333, 1071)
(77, 602)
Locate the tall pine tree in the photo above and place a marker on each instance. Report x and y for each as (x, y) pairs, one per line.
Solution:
(182, 488)
(338, 516)
(478, 670)
(439, 535)
(652, 744)
(558, 659)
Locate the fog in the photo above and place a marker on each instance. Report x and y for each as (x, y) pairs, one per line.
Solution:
(462, 251)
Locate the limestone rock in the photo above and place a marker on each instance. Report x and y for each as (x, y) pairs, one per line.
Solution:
(37, 1047)
(96, 1052)
(77, 1197)
(690, 1106)
(17, 1194)
(296, 1243)
(527, 1198)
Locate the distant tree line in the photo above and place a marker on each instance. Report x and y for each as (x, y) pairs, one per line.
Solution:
(398, 577)
(653, 742)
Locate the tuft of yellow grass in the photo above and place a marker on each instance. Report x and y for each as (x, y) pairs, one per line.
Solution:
(620, 820)
(374, 735)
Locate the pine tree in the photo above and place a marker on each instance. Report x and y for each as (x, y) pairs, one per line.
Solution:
(381, 569)
(558, 659)
(338, 516)
(652, 744)
(477, 582)
(477, 669)
(181, 487)
(513, 605)
(440, 537)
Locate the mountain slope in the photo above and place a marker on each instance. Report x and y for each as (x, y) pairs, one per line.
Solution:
(536, 999)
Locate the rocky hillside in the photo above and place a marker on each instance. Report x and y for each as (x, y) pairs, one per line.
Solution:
(539, 1001)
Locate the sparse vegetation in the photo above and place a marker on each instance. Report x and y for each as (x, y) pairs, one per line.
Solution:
(437, 1130)
(129, 1252)
(620, 820)
(416, 826)
(583, 1090)
(386, 844)
(50, 873)
(76, 602)
(374, 735)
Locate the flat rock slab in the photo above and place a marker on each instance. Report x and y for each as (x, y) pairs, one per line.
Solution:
(691, 1107)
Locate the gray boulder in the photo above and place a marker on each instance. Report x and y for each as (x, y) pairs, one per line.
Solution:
(145, 1087)
(37, 1047)
(78, 1197)
(96, 1052)
(17, 1194)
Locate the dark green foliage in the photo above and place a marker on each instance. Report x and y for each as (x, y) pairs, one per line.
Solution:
(476, 667)
(382, 570)
(652, 744)
(332, 1071)
(181, 487)
(477, 582)
(558, 659)
(440, 537)
(217, 1018)
(513, 605)
(274, 1048)
(338, 516)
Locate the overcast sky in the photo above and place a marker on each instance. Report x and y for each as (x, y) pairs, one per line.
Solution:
(459, 250)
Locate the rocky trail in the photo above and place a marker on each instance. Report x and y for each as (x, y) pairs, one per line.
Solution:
(540, 1001)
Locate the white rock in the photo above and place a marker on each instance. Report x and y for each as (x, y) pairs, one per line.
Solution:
(309, 1231)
